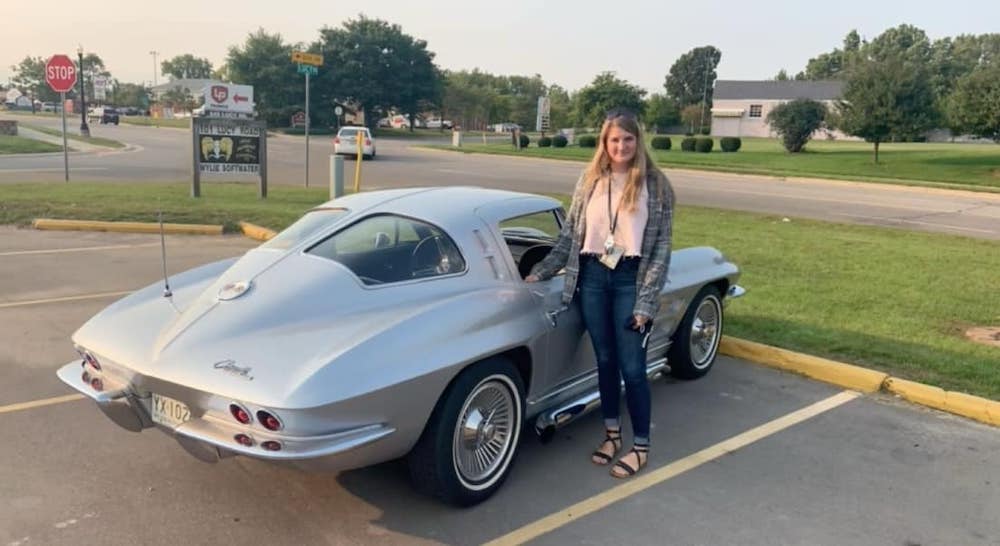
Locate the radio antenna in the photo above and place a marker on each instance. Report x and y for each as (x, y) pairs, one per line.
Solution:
(163, 252)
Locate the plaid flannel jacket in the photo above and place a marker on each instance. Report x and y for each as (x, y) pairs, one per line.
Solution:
(656, 247)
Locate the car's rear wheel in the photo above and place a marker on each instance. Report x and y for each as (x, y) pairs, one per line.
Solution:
(696, 341)
(468, 447)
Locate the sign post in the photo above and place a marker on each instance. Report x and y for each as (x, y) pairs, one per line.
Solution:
(228, 146)
(60, 74)
(308, 65)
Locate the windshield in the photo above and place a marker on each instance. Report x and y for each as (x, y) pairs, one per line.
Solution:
(306, 226)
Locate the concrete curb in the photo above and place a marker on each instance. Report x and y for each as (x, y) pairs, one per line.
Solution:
(864, 380)
(126, 227)
(259, 233)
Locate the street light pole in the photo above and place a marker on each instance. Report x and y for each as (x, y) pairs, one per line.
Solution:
(84, 129)
(154, 53)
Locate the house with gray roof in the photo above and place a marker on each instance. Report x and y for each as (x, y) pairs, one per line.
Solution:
(740, 108)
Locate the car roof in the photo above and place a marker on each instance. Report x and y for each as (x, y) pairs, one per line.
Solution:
(447, 206)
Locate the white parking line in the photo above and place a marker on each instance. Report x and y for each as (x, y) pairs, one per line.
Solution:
(654, 477)
(65, 298)
(75, 249)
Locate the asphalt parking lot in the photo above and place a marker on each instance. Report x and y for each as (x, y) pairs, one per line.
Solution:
(747, 455)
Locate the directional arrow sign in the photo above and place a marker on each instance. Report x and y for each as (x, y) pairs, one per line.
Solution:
(307, 58)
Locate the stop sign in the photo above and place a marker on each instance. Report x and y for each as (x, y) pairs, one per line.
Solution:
(60, 73)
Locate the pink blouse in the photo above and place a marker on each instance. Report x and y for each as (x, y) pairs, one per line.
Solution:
(630, 226)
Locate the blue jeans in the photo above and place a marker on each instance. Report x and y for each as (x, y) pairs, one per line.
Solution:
(607, 298)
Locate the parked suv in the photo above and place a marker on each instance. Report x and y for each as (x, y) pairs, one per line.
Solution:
(109, 115)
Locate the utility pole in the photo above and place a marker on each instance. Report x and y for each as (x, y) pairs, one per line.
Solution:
(155, 68)
(704, 96)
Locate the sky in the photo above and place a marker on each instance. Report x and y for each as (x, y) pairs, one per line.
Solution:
(566, 42)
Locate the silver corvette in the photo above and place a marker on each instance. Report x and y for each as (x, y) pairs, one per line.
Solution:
(381, 325)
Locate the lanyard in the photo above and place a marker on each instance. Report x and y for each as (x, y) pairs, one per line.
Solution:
(613, 220)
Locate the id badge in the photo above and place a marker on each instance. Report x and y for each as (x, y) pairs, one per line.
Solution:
(610, 259)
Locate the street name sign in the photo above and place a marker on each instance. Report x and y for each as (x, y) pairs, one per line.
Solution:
(307, 58)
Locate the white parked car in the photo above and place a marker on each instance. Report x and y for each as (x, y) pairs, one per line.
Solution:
(346, 142)
(438, 123)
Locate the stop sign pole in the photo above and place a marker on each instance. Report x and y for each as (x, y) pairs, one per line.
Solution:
(60, 74)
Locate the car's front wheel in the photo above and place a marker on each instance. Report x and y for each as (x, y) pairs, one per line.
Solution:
(697, 338)
(468, 447)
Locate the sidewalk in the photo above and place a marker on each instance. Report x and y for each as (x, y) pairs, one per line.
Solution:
(75, 145)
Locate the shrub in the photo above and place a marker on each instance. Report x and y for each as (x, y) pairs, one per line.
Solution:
(587, 141)
(525, 140)
(703, 145)
(660, 143)
(544, 142)
(730, 144)
(796, 121)
(706, 130)
(688, 134)
(559, 141)
(687, 144)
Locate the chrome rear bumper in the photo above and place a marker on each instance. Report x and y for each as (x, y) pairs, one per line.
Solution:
(210, 439)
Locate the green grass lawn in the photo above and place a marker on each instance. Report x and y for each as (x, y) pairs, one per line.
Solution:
(889, 299)
(179, 123)
(97, 141)
(969, 166)
(20, 145)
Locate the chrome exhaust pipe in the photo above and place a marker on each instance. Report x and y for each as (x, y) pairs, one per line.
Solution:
(558, 417)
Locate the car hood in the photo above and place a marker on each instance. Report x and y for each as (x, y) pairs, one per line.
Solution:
(300, 314)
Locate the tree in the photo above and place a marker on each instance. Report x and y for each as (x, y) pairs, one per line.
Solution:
(692, 118)
(833, 65)
(29, 75)
(661, 112)
(178, 98)
(130, 94)
(187, 66)
(781, 76)
(692, 76)
(796, 121)
(467, 100)
(377, 66)
(603, 94)
(974, 107)
(886, 100)
(265, 62)
(561, 112)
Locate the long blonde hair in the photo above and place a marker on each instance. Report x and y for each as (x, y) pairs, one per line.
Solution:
(641, 167)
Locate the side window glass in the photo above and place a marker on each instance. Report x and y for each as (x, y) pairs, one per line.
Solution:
(386, 248)
(530, 237)
(303, 228)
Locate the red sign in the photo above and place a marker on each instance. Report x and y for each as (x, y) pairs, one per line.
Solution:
(220, 93)
(60, 73)
(237, 98)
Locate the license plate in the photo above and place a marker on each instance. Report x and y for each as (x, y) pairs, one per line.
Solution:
(169, 412)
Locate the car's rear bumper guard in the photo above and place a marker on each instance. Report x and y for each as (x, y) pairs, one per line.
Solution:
(129, 412)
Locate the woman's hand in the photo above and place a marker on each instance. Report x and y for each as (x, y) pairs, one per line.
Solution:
(531, 278)
(639, 322)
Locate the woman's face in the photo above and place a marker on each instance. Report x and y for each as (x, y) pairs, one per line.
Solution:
(620, 145)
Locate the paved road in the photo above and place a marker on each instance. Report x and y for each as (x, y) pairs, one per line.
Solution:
(858, 471)
(163, 155)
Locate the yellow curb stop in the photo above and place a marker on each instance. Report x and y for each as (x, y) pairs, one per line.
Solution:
(829, 371)
(126, 227)
(254, 231)
(864, 380)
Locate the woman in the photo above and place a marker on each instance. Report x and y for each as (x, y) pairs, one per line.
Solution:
(615, 246)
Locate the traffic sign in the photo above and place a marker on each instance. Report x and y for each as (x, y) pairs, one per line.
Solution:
(307, 58)
(306, 69)
(60, 73)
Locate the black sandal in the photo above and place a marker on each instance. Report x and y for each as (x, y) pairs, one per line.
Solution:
(610, 435)
(642, 455)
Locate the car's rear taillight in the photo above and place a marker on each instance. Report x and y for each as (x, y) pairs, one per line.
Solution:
(336, 140)
(271, 445)
(240, 414)
(97, 384)
(368, 142)
(269, 421)
(243, 440)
